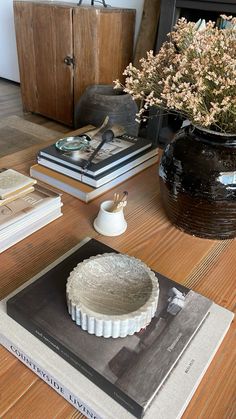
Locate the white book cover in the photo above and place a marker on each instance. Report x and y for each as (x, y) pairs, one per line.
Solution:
(29, 229)
(170, 401)
(18, 226)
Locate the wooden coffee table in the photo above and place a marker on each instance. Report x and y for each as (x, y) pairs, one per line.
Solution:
(207, 266)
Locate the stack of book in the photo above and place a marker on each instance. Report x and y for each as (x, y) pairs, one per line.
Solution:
(24, 207)
(151, 374)
(115, 162)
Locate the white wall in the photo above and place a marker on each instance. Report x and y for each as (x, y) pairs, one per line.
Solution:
(8, 54)
(128, 4)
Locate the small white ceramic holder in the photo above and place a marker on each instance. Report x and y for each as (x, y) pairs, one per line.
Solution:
(110, 223)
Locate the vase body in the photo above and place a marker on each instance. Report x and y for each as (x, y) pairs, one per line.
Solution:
(198, 183)
(99, 101)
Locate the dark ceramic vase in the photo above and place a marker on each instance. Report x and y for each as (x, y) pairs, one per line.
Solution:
(101, 100)
(198, 183)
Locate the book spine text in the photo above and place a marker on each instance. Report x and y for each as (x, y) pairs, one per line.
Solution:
(76, 362)
(49, 379)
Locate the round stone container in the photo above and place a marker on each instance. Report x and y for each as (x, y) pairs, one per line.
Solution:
(112, 295)
(101, 100)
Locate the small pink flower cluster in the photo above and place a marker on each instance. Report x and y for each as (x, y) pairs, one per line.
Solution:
(193, 74)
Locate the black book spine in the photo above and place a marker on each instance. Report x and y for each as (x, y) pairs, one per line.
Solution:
(114, 392)
(78, 169)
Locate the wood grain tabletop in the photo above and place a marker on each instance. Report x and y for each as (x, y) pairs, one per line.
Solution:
(207, 266)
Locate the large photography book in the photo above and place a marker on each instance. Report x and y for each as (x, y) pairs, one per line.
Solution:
(45, 358)
(110, 155)
(80, 189)
(134, 371)
(102, 178)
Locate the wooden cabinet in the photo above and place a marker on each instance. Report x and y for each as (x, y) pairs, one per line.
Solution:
(63, 48)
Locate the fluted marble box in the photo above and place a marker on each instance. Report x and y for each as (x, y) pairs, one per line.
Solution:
(112, 295)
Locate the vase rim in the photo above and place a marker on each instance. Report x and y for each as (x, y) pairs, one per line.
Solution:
(106, 90)
(210, 131)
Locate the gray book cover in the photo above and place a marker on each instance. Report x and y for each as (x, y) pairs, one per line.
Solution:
(131, 369)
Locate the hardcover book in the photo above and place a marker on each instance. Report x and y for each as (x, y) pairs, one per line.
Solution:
(16, 195)
(28, 228)
(106, 176)
(45, 358)
(12, 181)
(111, 154)
(80, 189)
(22, 209)
(25, 215)
(132, 369)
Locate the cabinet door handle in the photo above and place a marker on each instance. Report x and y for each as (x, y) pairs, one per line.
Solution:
(92, 3)
(69, 60)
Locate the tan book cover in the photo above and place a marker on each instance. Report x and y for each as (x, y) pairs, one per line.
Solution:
(83, 187)
(12, 181)
(16, 195)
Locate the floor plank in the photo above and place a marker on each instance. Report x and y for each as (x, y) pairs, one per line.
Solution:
(11, 104)
(17, 134)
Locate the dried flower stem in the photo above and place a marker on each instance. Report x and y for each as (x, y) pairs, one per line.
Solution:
(193, 74)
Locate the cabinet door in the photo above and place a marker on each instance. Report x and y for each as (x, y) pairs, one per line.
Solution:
(103, 45)
(44, 39)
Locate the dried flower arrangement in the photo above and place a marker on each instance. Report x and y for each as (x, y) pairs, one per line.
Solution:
(193, 74)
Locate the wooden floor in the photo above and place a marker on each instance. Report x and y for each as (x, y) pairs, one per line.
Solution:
(10, 104)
